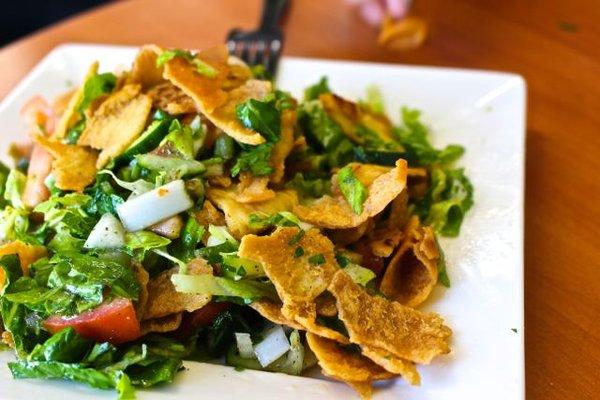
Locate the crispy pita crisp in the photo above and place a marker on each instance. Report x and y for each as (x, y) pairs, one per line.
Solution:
(143, 278)
(70, 115)
(284, 145)
(237, 214)
(164, 300)
(388, 325)
(272, 312)
(168, 323)
(349, 116)
(412, 273)
(393, 364)
(170, 98)
(298, 280)
(344, 237)
(326, 305)
(27, 253)
(345, 364)
(383, 241)
(253, 189)
(74, 167)
(117, 123)
(144, 70)
(238, 73)
(336, 213)
(209, 96)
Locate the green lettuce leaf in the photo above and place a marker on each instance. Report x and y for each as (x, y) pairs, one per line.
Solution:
(243, 289)
(14, 187)
(94, 87)
(255, 159)
(447, 201)
(309, 187)
(414, 136)
(352, 189)
(314, 91)
(260, 116)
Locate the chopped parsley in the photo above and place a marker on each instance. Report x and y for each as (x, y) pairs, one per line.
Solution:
(299, 252)
(317, 259)
(255, 160)
(296, 237)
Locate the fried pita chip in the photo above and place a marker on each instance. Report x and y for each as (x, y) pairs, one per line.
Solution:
(272, 312)
(168, 97)
(336, 213)
(117, 123)
(70, 115)
(209, 96)
(238, 73)
(144, 70)
(350, 117)
(398, 211)
(237, 214)
(383, 241)
(393, 364)
(344, 237)
(284, 145)
(221, 181)
(345, 364)
(417, 183)
(412, 272)
(164, 300)
(168, 323)
(27, 253)
(388, 325)
(74, 167)
(298, 280)
(326, 305)
(253, 189)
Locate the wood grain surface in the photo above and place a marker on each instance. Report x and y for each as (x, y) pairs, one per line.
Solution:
(554, 44)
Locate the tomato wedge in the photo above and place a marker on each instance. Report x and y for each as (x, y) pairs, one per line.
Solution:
(113, 322)
(201, 317)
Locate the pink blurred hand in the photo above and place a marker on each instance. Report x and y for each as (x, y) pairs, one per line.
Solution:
(374, 11)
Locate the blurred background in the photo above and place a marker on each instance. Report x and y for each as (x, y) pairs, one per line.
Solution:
(18, 18)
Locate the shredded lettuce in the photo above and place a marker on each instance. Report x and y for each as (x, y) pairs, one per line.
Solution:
(309, 187)
(414, 137)
(254, 159)
(15, 185)
(360, 275)
(448, 199)
(243, 289)
(94, 87)
(353, 190)
(260, 116)
(282, 218)
(314, 91)
(373, 100)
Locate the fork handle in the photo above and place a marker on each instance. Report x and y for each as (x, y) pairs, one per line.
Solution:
(273, 10)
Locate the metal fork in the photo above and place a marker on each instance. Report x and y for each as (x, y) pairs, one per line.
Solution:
(264, 45)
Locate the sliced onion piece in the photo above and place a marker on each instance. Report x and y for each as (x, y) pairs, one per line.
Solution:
(107, 234)
(244, 345)
(273, 346)
(154, 206)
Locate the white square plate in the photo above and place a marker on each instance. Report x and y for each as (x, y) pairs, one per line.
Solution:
(484, 111)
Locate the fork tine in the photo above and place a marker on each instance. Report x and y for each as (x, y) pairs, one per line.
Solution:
(259, 53)
(274, 54)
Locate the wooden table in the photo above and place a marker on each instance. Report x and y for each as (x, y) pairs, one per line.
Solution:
(554, 44)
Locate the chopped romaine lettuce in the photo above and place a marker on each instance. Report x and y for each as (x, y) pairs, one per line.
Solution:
(353, 190)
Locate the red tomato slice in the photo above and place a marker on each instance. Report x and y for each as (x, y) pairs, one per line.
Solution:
(113, 322)
(202, 317)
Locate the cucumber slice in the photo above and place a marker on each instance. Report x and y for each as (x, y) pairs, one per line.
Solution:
(148, 140)
(379, 157)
